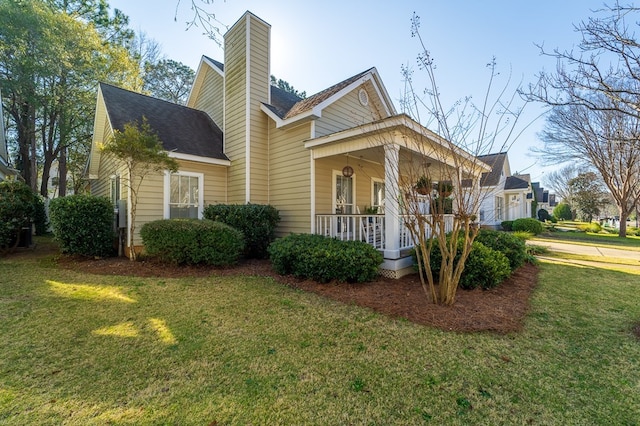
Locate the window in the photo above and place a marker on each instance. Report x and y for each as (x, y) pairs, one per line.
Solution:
(377, 199)
(499, 208)
(114, 191)
(343, 193)
(183, 195)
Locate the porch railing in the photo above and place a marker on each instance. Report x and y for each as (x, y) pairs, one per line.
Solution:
(367, 228)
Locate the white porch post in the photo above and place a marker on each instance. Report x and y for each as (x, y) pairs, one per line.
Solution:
(392, 201)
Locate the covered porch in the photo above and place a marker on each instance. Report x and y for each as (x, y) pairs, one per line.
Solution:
(361, 179)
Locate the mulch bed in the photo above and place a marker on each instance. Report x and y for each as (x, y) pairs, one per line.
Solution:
(500, 310)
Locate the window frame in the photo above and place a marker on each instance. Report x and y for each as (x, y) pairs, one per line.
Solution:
(334, 191)
(167, 191)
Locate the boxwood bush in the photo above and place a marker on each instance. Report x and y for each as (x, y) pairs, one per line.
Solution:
(513, 247)
(256, 221)
(192, 242)
(324, 259)
(593, 227)
(528, 225)
(507, 225)
(485, 268)
(83, 224)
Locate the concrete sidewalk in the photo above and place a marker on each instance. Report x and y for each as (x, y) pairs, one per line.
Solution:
(589, 250)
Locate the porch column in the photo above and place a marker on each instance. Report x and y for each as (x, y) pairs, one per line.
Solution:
(392, 201)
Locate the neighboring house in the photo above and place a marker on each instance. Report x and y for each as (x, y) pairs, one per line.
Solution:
(505, 196)
(542, 198)
(5, 170)
(318, 160)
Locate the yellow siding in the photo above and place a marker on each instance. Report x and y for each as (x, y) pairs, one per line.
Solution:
(259, 87)
(290, 178)
(210, 99)
(235, 92)
(150, 204)
(347, 112)
(364, 172)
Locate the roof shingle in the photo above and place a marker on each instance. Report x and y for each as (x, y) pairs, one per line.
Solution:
(180, 129)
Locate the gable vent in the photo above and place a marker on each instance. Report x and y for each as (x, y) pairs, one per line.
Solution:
(363, 97)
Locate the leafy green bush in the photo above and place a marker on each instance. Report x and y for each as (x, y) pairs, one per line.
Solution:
(507, 225)
(83, 224)
(523, 235)
(563, 211)
(192, 242)
(543, 215)
(506, 243)
(528, 225)
(324, 259)
(593, 227)
(485, 268)
(17, 210)
(256, 221)
(40, 219)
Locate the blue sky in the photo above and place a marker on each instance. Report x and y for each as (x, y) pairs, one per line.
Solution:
(317, 44)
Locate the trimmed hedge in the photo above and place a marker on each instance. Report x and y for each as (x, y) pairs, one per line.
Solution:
(192, 242)
(593, 227)
(324, 259)
(256, 221)
(83, 224)
(485, 268)
(528, 225)
(17, 210)
(507, 225)
(513, 247)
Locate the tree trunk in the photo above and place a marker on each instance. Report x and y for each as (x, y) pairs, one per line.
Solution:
(62, 172)
(624, 214)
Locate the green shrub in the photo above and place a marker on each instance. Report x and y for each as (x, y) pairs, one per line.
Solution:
(83, 224)
(17, 210)
(485, 268)
(593, 227)
(507, 225)
(508, 244)
(528, 225)
(256, 221)
(563, 211)
(523, 235)
(324, 259)
(40, 219)
(192, 242)
(543, 215)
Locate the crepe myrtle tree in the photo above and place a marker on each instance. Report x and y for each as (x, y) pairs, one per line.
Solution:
(447, 166)
(139, 149)
(593, 95)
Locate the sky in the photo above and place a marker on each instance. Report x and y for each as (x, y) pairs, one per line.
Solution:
(317, 44)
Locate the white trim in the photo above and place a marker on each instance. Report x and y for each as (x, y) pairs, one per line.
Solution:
(167, 191)
(334, 204)
(199, 159)
(247, 117)
(312, 191)
(375, 180)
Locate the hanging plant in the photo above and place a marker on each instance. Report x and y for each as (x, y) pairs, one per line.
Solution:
(444, 188)
(423, 185)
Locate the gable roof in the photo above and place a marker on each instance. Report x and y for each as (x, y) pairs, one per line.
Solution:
(314, 100)
(181, 129)
(514, 182)
(496, 162)
(312, 106)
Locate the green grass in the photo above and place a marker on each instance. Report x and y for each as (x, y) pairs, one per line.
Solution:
(589, 238)
(82, 349)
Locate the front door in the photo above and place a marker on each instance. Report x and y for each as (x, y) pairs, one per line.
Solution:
(343, 194)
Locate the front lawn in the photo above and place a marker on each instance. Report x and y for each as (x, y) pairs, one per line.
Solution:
(91, 349)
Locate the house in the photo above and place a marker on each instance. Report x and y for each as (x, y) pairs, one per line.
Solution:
(505, 196)
(320, 161)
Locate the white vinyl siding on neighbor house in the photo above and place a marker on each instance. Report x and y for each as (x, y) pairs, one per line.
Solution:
(499, 206)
